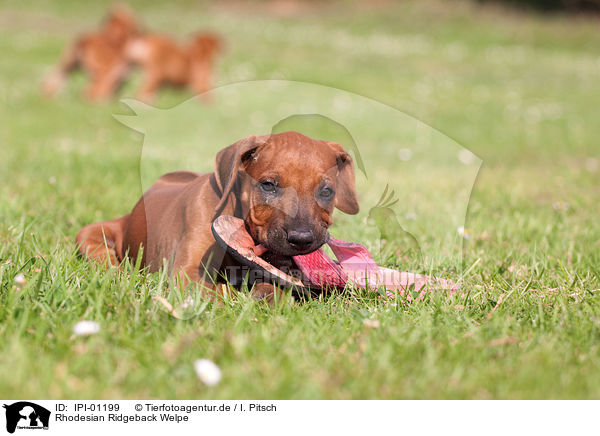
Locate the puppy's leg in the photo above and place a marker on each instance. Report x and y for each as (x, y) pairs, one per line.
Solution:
(149, 86)
(267, 291)
(201, 79)
(105, 83)
(69, 61)
(103, 241)
(93, 92)
(217, 292)
(202, 264)
(191, 271)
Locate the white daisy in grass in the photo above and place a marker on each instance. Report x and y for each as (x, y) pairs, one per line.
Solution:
(207, 371)
(20, 280)
(463, 232)
(561, 206)
(371, 323)
(86, 328)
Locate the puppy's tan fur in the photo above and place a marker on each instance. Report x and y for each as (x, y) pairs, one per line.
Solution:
(166, 62)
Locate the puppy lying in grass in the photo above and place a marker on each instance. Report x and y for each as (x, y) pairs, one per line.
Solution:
(100, 54)
(165, 61)
(268, 205)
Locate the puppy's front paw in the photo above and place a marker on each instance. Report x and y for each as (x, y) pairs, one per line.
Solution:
(266, 291)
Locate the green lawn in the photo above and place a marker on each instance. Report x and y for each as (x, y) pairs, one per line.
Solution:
(520, 91)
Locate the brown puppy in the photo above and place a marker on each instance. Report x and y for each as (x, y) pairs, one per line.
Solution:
(101, 55)
(285, 186)
(167, 62)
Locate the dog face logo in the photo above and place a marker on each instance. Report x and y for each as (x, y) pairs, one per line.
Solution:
(26, 415)
(394, 240)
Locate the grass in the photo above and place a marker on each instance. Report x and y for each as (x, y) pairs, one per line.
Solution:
(520, 91)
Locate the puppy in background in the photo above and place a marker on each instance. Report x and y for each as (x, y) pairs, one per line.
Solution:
(101, 55)
(166, 62)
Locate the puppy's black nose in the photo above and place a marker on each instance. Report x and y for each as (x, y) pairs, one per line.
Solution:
(300, 238)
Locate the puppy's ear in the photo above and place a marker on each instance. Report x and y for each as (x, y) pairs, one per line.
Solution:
(345, 197)
(228, 163)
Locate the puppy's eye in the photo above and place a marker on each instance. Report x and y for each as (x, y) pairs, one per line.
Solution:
(268, 186)
(326, 193)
